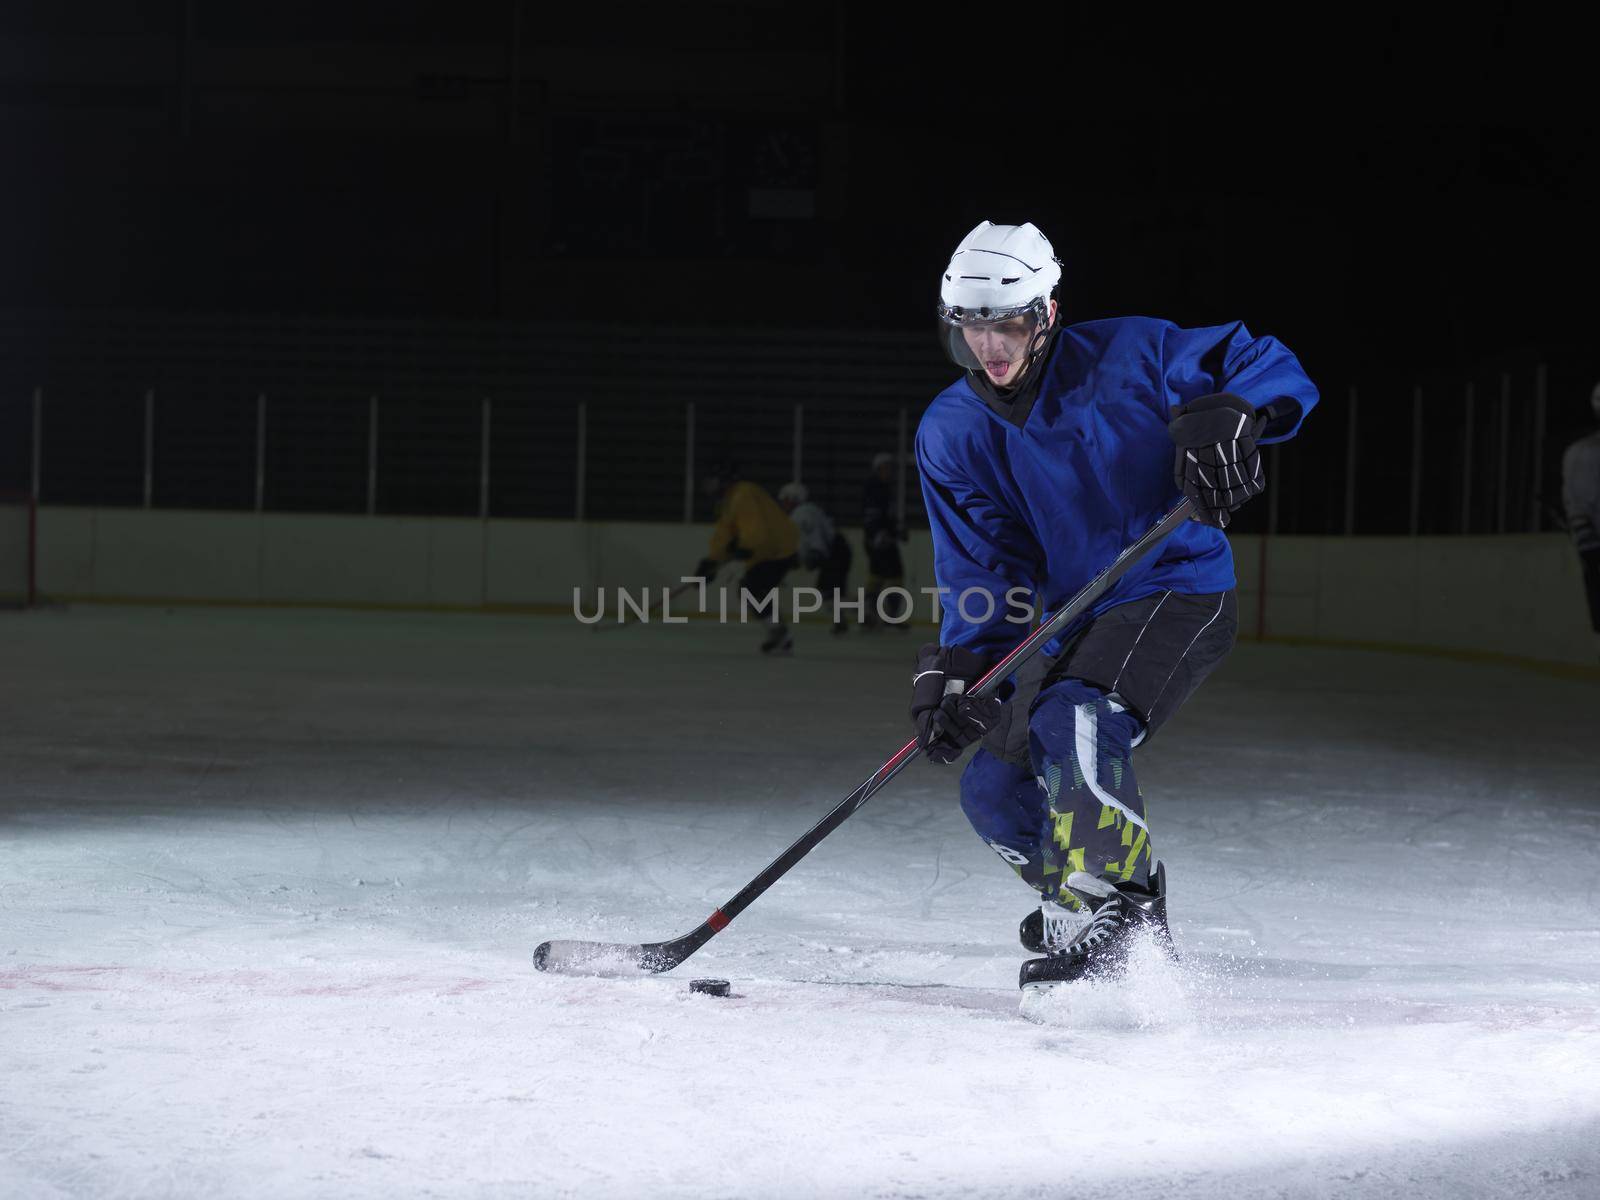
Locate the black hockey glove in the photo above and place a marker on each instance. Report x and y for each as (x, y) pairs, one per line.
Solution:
(705, 569)
(1218, 465)
(946, 718)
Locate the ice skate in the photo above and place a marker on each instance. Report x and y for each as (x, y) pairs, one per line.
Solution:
(779, 641)
(1048, 928)
(1121, 912)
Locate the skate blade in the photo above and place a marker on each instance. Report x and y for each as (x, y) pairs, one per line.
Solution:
(1044, 1003)
(1149, 993)
(1091, 1003)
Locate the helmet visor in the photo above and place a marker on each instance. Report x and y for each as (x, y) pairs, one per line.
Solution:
(996, 343)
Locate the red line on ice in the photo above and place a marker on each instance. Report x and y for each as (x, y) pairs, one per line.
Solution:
(272, 983)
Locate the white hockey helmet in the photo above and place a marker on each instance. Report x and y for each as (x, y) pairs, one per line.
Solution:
(793, 492)
(998, 274)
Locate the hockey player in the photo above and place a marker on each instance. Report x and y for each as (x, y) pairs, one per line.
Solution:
(882, 535)
(1580, 495)
(751, 526)
(822, 547)
(1057, 448)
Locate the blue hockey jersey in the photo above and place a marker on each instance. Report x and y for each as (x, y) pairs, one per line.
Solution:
(1042, 500)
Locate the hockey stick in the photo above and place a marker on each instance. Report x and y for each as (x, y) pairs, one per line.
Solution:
(615, 958)
(652, 609)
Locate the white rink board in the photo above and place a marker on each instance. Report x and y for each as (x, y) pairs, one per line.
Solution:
(269, 883)
(1517, 595)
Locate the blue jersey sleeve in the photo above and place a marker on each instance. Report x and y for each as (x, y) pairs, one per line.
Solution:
(981, 552)
(1225, 358)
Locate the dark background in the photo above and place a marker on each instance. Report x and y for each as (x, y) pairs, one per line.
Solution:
(325, 201)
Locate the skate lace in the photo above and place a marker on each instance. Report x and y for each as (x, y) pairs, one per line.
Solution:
(1058, 928)
(1108, 918)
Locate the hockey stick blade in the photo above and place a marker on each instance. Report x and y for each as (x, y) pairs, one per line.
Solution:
(612, 960)
(589, 958)
(653, 611)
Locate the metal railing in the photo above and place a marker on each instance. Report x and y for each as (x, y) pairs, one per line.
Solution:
(1477, 453)
(479, 419)
(506, 419)
(152, 476)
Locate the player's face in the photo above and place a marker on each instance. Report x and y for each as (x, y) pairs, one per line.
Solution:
(1001, 347)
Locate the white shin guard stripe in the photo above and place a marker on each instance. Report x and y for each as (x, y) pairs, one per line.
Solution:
(1086, 725)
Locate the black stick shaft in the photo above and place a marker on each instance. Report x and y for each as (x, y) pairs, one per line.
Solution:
(662, 956)
(651, 609)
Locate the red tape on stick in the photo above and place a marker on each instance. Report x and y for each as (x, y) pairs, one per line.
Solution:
(718, 921)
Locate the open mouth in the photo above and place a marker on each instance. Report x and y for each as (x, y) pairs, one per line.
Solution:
(997, 366)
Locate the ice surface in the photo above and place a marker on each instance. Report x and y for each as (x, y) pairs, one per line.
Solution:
(269, 885)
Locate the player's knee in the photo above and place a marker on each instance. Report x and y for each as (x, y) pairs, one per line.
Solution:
(1070, 711)
(988, 796)
(977, 795)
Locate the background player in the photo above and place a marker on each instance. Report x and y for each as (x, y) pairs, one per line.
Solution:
(823, 548)
(881, 536)
(1580, 495)
(751, 526)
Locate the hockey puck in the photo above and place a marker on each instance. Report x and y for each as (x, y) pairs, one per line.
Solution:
(709, 987)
